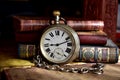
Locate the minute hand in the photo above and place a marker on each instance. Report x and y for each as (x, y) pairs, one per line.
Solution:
(62, 42)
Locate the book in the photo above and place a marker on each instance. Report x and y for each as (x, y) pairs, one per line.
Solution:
(86, 37)
(27, 37)
(30, 23)
(92, 37)
(27, 23)
(100, 54)
(87, 25)
(26, 51)
(88, 53)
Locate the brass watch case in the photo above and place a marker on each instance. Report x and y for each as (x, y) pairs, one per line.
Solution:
(75, 40)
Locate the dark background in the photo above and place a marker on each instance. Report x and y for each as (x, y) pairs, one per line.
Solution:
(34, 8)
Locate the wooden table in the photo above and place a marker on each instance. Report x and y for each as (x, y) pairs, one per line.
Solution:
(111, 72)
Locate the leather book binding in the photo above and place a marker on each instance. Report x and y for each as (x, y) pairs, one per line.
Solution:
(25, 23)
(28, 23)
(88, 25)
(27, 37)
(88, 53)
(86, 37)
(92, 37)
(103, 54)
(26, 51)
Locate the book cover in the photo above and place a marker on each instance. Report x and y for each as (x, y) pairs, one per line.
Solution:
(88, 53)
(27, 37)
(103, 54)
(86, 37)
(87, 25)
(29, 23)
(92, 37)
(25, 23)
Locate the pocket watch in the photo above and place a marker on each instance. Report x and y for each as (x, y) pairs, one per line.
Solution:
(59, 43)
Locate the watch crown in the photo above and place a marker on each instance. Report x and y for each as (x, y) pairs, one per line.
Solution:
(56, 13)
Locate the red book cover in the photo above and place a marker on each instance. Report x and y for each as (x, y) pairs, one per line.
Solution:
(27, 37)
(92, 37)
(88, 37)
(87, 25)
(25, 23)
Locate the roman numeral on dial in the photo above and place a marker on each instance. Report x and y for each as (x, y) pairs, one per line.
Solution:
(51, 34)
(52, 55)
(48, 50)
(68, 50)
(69, 44)
(63, 34)
(57, 33)
(46, 45)
(47, 39)
(67, 38)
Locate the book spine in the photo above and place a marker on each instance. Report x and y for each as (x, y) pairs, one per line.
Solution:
(21, 25)
(86, 25)
(99, 54)
(90, 54)
(40, 24)
(92, 39)
(26, 51)
(33, 25)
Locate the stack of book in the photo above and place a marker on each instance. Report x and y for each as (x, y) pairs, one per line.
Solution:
(90, 32)
(28, 29)
(95, 46)
(94, 43)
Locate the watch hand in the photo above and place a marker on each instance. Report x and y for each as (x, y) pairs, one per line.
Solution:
(62, 43)
(59, 53)
(58, 43)
(54, 44)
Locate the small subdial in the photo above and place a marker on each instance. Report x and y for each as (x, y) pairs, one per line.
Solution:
(58, 53)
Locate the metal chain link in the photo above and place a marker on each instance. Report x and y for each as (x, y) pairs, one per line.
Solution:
(96, 68)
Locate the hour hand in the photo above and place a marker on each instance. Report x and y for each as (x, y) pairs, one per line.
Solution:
(58, 43)
(54, 44)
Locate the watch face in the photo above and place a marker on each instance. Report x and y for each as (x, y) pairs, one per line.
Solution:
(57, 44)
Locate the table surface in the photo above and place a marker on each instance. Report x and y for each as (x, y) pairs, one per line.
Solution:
(111, 72)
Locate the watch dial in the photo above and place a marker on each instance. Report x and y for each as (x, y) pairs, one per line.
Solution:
(57, 44)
